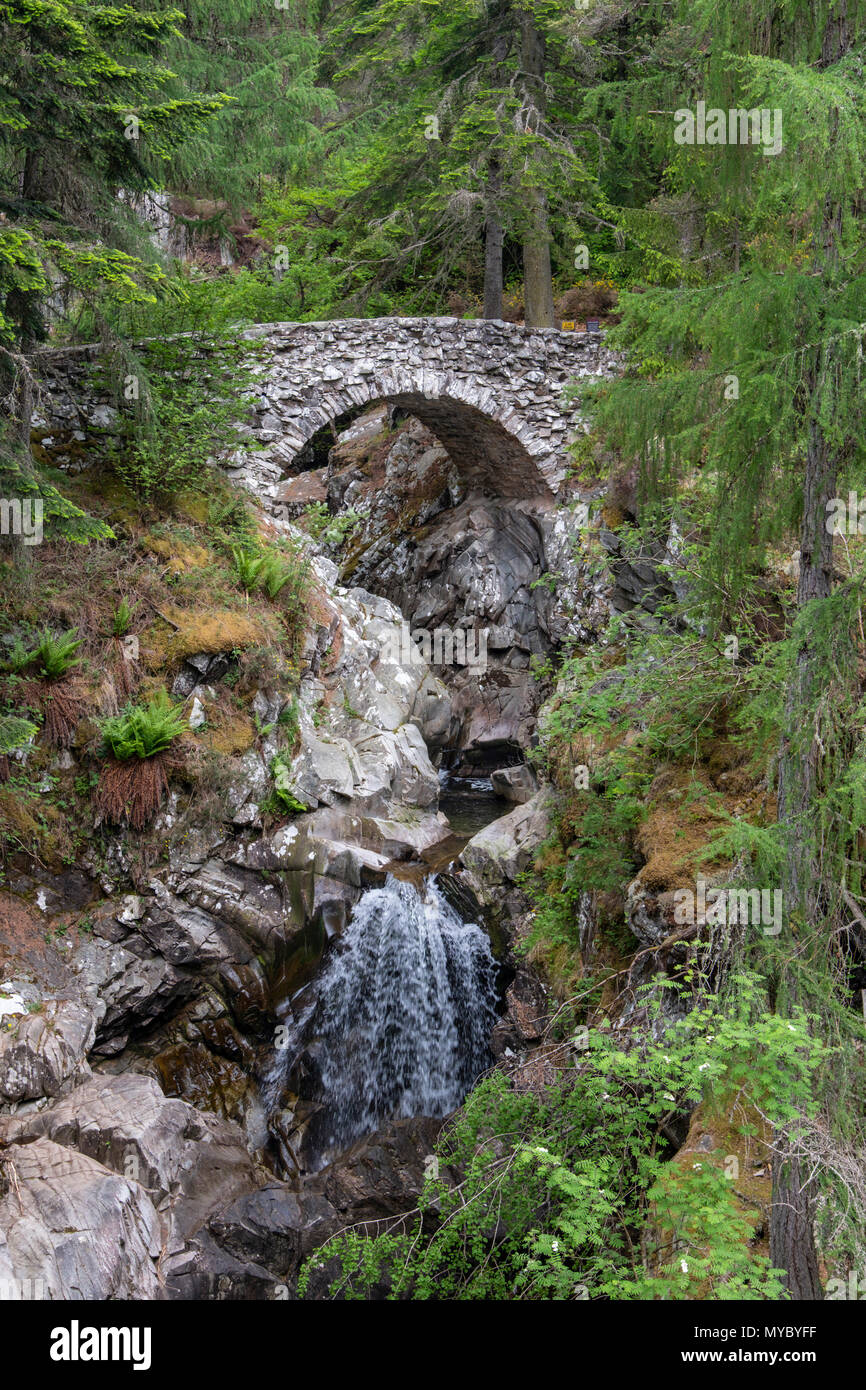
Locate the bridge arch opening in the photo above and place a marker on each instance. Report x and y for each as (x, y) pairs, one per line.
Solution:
(494, 457)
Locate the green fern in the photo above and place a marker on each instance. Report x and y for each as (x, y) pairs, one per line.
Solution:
(54, 657)
(142, 731)
(122, 619)
(248, 566)
(281, 772)
(275, 574)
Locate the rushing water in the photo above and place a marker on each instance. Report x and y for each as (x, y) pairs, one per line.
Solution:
(402, 1014)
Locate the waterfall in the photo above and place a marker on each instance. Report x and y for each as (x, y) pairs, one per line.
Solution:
(401, 1016)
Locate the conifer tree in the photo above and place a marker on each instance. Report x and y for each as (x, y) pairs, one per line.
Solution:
(750, 370)
(84, 114)
(458, 127)
(265, 58)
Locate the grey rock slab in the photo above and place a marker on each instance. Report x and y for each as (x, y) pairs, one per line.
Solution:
(74, 1227)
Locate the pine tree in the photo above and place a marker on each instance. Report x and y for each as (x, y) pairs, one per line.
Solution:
(458, 129)
(265, 57)
(749, 370)
(84, 113)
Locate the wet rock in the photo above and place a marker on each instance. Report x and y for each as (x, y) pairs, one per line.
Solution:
(75, 1228)
(527, 1011)
(275, 1227)
(499, 853)
(383, 1175)
(246, 989)
(239, 899)
(517, 784)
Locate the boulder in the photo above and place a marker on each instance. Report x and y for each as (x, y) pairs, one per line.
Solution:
(72, 1228)
(503, 850)
(518, 784)
(189, 1162)
(45, 1053)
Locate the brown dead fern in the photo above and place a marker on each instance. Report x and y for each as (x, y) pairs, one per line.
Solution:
(62, 709)
(130, 792)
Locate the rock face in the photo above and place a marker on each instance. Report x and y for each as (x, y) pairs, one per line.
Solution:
(72, 1229)
(118, 1192)
(104, 1191)
(472, 573)
(485, 586)
(517, 784)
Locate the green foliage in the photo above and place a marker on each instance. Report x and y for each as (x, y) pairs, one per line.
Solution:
(83, 110)
(186, 415)
(247, 567)
(14, 733)
(122, 619)
(749, 347)
(290, 720)
(265, 57)
(390, 217)
(333, 530)
(571, 1194)
(276, 572)
(61, 519)
(281, 771)
(141, 731)
(53, 656)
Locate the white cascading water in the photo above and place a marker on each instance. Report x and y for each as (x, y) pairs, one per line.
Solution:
(402, 1015)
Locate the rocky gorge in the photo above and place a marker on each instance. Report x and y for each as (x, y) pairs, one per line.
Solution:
(189, 1106)
(143, 1155)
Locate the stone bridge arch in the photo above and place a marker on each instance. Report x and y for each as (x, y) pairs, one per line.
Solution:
(492, 392)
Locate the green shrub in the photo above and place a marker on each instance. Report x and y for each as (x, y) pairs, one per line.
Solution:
(290, 720)
(53, 657)
(569, 1193)
(248, 567)
(141, 731)
(122, 619)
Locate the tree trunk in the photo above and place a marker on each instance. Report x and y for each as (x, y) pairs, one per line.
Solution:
(493, 238)
(21, 392)
(792, 1246)
(792, 1242)
(537, 281)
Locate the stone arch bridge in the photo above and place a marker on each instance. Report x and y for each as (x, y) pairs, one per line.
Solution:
(492, 392)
